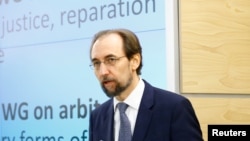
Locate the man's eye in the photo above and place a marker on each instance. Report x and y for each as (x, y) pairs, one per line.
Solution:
(111, 60)
(96, 63)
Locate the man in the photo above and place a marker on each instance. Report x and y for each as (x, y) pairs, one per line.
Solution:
(154, 114)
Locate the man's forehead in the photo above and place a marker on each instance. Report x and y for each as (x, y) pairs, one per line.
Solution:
(107, 45)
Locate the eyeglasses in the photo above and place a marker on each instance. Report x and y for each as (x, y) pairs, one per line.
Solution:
(109, 61)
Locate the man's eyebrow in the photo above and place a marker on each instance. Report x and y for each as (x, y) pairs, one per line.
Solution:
(107, 56)
(94, 59)
(110, 55)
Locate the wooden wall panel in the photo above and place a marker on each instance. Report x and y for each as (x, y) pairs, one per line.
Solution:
(215, 46)
(221, 111)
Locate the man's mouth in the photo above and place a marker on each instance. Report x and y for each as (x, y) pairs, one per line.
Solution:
(108, 83)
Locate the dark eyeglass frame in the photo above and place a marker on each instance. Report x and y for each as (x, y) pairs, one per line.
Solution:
(109, 61)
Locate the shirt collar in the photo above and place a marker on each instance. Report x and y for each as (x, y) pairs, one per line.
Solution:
(134, 99)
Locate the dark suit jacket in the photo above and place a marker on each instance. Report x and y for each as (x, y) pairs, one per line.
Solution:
(163, 116)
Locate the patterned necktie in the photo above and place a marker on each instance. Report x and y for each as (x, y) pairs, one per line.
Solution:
(125, 129)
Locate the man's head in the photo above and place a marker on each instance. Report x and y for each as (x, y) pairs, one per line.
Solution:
(116, 57)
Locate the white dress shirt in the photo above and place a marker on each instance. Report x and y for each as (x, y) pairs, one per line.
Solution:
(133, 100)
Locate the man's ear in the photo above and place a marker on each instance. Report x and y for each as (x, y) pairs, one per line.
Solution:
(135, 61)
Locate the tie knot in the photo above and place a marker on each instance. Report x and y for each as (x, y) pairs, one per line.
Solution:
(122, 107)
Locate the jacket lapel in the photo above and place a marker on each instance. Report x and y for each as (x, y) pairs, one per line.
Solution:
(106, 128)
(144, 114)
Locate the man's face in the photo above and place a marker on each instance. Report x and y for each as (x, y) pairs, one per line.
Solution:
(114, 78)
